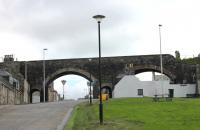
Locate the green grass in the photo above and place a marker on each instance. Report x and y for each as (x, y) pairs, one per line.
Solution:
(138, 114)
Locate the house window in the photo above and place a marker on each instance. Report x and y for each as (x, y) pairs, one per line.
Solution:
(140, 92)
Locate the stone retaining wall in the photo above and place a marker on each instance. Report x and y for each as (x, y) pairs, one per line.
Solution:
(9, 95)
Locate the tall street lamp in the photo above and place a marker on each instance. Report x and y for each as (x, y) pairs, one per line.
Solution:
(44, 72)
(90, 93)
(63, 82)
(99, 18)
(161, 62)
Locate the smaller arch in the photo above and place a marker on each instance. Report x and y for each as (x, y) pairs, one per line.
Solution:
(32, 91)
(108, 90)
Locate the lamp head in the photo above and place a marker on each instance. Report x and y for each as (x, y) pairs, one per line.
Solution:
(63, 81)
(99, 17)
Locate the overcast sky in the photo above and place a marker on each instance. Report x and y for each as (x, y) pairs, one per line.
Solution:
(67, 29)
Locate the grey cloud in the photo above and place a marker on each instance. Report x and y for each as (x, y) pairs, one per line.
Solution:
(52, 20)
(67, 25)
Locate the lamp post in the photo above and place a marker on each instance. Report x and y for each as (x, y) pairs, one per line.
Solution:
(161, 62)
(90, 93)
(99, 18)
(44, 72)
(63, 82)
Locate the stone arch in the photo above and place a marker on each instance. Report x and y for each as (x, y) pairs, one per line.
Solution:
(108, 88)
(31, 94)
(146, 68)
(66, 71)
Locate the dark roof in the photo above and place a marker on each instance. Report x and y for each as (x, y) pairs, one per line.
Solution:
(5, 82)
(4, 73)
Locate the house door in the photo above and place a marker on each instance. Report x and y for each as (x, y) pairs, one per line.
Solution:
(171, 93)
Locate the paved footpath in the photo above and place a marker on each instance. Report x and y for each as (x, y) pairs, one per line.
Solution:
(41, 116)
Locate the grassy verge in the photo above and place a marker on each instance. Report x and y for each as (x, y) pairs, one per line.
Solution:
(138, 114)
(70, 122)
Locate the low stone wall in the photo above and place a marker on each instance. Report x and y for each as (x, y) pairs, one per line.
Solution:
(9, 95)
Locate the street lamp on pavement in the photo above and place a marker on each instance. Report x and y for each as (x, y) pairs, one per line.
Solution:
(63, 82)
(44, 72)
(90, 93)
(99, 18)
(161, 59)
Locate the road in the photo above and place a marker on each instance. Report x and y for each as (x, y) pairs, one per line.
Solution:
(41, 116)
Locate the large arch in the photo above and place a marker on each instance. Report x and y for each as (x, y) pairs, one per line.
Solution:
(67, 71)
(153, 68)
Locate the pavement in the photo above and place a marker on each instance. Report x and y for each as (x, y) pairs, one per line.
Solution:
(41, 116)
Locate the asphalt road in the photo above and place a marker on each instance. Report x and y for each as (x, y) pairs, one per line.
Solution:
(41, 116)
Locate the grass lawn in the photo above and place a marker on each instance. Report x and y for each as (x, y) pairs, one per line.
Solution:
(138, 114)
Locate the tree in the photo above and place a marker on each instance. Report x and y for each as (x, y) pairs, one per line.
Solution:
(177, 55)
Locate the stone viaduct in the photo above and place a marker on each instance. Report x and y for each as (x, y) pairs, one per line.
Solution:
(113, 69)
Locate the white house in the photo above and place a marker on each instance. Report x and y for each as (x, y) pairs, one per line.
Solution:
(131, 86)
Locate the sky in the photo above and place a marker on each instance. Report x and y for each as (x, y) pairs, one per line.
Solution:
(75, 87)
(66, 28)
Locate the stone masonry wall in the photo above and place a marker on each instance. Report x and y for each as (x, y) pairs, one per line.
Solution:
(52, 94)
(8, 95)
(26, 92)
